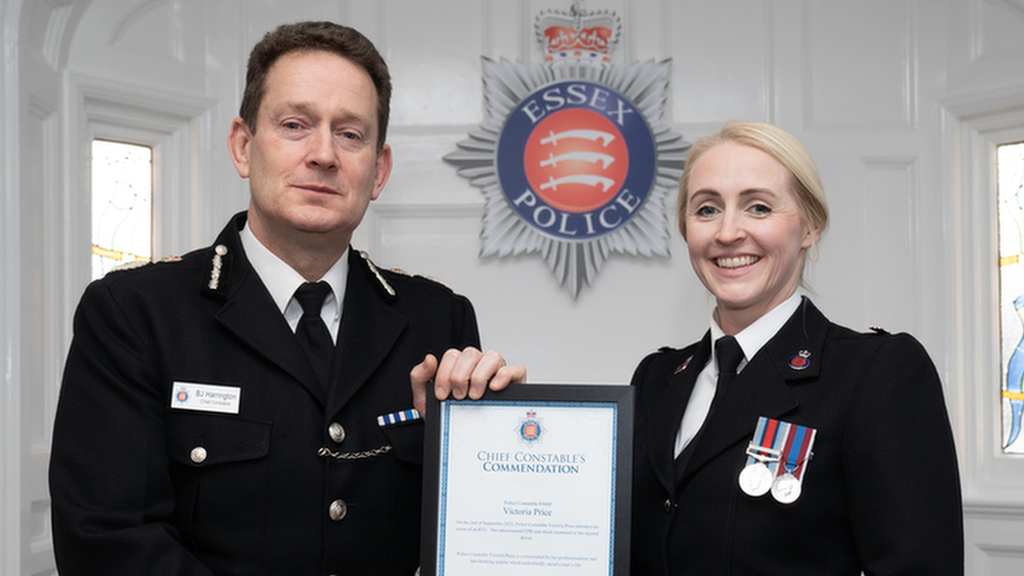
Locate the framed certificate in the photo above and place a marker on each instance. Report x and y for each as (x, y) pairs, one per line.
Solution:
(535, 479)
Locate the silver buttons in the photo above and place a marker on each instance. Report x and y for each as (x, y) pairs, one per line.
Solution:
(337, 510)
(198, 454)
(668, 505)
(337, 432)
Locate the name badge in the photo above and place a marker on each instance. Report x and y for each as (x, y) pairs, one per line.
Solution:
(206, 397)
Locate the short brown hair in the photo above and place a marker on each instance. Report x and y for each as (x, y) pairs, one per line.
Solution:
(346, 42)
(780, 145)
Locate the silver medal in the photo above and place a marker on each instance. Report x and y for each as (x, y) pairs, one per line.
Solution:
(756, 479)
(786, 489)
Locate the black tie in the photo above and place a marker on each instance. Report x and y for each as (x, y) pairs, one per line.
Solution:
(727, 355)
(313, 335)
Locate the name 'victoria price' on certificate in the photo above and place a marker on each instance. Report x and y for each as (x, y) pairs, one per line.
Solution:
(535, 479)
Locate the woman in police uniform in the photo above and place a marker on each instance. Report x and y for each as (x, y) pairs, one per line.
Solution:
(829, 452)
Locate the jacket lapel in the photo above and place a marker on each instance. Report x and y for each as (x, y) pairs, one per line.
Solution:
(763, 388)
(668, 415)
(250, 313)
(369, 330)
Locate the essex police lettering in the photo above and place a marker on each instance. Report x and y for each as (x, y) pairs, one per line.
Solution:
(576, 160)
(590, 95)
(607, 218)
(530, 463)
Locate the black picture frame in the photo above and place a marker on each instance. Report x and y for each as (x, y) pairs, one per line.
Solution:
(551, 394)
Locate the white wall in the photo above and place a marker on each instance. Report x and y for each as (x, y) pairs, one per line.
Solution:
(900, 101)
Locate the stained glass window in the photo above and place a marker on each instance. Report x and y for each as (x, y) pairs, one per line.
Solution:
(1010, 177)
(122, 190)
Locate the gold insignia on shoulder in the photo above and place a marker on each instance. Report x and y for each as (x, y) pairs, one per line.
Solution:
(432, 279)
(424, 276)
(129, 265)
(139, 263)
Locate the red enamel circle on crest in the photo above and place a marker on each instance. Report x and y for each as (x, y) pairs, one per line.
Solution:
(576, 160)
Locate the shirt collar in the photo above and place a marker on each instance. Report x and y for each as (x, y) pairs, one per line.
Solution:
(282, 280)
(752, 338)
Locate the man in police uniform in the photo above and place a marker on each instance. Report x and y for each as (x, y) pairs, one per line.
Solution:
(197, 432)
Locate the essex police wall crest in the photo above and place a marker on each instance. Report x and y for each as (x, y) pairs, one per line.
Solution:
(573, 158)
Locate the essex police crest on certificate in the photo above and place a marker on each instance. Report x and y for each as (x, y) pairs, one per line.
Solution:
(573, 158)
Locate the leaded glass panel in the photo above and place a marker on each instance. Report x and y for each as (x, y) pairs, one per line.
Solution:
(122, 190)
(1010, 176)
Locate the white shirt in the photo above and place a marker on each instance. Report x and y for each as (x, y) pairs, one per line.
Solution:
(750, 339)
(282, 281)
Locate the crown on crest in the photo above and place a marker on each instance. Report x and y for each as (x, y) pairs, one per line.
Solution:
(578, 35)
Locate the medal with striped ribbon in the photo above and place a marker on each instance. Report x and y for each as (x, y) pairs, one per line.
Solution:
(777, 458)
